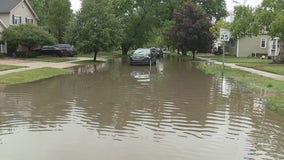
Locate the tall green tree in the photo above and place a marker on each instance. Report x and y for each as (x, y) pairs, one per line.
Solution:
(41, 8)
(215, 8)
(138, 19)
(191, 30)
(59, 15)
(242, 24)
(95, 27)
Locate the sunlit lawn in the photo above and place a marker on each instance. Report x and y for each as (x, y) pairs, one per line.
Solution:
(8, 67)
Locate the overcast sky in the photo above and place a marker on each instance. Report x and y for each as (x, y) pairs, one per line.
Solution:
(76, 4)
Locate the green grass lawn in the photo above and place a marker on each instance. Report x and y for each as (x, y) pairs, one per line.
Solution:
(272, 68)
(275, 100)
(31, 75)
(52, 59)
(231, 59)
(251, 62)
(88, 62)
(8, 67)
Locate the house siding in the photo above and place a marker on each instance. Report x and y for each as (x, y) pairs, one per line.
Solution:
(5, 18)
(24, 11)
(250, 45)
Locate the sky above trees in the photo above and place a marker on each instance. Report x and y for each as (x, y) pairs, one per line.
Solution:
(76, 4)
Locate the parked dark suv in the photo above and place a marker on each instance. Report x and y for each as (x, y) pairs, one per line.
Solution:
(68, 49)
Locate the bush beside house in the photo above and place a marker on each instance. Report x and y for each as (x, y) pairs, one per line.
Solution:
(21, 39)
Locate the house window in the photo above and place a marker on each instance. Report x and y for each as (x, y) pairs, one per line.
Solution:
(263, 43)
(17, 20)
(29, 20)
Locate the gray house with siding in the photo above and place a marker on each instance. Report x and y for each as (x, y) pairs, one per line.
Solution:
(14, 12)
(254, 46)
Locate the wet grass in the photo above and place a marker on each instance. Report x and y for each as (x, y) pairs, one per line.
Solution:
(232, 59)
(251, 62)
(106, 55)
(275, 102)
(88, 62)
(272, 68)
(52, 59)
(8, 67)
(31, 75)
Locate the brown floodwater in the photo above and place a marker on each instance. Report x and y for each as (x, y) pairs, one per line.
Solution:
(114, 111)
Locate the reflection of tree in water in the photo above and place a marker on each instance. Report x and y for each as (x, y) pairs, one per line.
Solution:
(247, 118)
(121, 102)
(182, 101)
(39, 105)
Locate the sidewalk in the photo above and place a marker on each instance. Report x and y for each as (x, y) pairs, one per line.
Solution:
(232, 65)
(28, 65)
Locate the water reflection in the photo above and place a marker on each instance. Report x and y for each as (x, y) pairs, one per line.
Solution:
(109, 113)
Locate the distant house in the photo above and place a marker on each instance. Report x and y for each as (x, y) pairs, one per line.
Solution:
(14, 12)
(254, 46)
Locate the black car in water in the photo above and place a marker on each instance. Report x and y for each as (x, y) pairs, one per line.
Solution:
(143, 56)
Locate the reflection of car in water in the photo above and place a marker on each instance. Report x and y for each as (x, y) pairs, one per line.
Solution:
(142, 74)
(143, 56)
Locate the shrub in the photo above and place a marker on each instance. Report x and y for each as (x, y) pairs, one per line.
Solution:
(29, 54)
(27, 35)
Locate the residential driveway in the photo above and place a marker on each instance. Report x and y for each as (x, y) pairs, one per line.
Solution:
(28, 65)
(262, 73)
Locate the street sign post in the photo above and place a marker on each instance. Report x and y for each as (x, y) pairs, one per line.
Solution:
(225, 37)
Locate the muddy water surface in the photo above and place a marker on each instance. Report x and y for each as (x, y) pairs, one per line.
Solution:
(116, 111)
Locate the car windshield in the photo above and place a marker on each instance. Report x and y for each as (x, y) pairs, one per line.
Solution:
(142, 52)
(63, 45)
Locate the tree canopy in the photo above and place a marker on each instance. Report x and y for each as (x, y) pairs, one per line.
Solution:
(95, 27)
(59, 16)
(191, 29)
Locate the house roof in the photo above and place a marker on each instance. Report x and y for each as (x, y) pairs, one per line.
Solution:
(7, 5)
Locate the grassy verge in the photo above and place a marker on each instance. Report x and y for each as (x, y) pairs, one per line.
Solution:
(107, 55)
(8, 67)
(52, 59)
(272, 68)
(31, 75)
(275, 101)
(232, 59)
(251, 62)
(88, 62)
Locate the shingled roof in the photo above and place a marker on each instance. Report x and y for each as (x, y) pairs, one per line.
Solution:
(7, 5)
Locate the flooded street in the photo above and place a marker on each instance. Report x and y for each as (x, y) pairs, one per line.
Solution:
(113, 110)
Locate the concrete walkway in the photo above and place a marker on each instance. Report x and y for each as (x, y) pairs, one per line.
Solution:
(28, 65)
(262, 73)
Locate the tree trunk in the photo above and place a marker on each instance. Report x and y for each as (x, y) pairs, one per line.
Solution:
(95, 56)
(193, 54)
(124, 49)
(183, 52)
